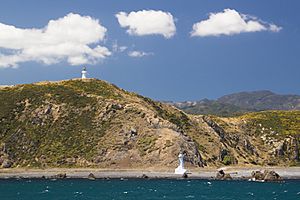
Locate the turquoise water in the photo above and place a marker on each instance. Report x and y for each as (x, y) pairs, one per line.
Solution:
(146, 189)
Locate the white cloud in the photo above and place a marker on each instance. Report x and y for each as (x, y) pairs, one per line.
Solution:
(117, 48)
(138, 54)
(148, 22)
(122, 48)
(274, 28)
(230, 22)
(68, 38)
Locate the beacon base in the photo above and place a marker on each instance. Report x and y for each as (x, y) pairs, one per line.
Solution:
(180, 170)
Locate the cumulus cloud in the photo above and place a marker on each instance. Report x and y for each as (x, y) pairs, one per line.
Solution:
(138, 54)
(274, 28)
(73, 38)
(230, 22)
(148, 22)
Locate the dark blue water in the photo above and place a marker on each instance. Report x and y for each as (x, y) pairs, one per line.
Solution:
(146, 189)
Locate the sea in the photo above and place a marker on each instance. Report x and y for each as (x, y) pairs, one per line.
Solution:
(36, 189)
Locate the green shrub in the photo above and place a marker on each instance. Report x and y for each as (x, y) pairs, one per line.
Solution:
(227, 160)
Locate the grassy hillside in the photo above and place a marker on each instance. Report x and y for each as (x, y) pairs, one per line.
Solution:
(85, 123)
(279, 123)
(91, 123)
(273, 137)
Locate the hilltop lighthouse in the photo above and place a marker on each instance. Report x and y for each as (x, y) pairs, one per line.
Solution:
(83, 73)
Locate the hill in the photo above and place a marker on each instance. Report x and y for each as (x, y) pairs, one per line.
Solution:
(210, 107)
(262, 100)
(92, 123)
(242, 102)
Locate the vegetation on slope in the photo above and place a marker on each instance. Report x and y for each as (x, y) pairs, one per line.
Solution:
(271, 137)
(91, 123)
(28, 115)
(81, 123)
(276, 122)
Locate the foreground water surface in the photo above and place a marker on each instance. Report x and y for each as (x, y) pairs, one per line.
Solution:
(146, 189)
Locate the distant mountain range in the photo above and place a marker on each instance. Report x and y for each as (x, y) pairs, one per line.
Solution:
(242, 102)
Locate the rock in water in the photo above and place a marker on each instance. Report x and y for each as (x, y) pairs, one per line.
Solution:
(221, 175)
(227, 177)
(266, 176)
(271, 176)
(257, 176)
(91, 176)
(60, 176)
(185, 175)
(145, 176)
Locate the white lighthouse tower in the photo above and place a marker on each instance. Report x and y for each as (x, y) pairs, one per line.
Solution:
(83, 73)
(180, 169)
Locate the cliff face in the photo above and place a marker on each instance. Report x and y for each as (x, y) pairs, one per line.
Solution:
(265, 138)
(91, 123)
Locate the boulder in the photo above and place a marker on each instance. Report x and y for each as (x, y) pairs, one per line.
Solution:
(221, 175)
(91, 176)
(7, 164)
(144, 176)
(185, 175)
(257, 175)
(266, 176)
(117, 106)
(271, 176)
(227, 177)
(60, 176)
(133, 132)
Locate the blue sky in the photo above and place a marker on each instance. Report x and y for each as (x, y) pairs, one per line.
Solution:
(179, 67)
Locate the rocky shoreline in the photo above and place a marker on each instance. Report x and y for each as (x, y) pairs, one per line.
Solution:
(92, 174)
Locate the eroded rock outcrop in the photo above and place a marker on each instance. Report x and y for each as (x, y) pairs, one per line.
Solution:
(221, 175)
(267, 175)
(219, 130)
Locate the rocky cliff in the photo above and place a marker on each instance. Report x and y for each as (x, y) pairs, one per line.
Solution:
(91, 123)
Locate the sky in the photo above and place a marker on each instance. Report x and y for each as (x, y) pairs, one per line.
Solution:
(166, 50)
